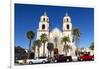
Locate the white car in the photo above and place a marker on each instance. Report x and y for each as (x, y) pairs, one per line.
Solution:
(74, 58)
(20, 61)
(37, 60)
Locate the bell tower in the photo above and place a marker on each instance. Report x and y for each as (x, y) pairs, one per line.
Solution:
(67, 25)
(43, 25)
(43, 29)
(67, 31)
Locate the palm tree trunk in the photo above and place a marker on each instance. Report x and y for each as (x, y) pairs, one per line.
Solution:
(56, 44)
(65, 50)
(34, 52)
(44, 49)
(38, 52)
(77, 48)
(29, 49)
(50, 53)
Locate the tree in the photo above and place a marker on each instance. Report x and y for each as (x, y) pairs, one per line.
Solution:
(92, 46)
(43, 39)
(34, 46)
(30, 36)
(76, 35)
(37, 43)
(50, 48)
(66, 40)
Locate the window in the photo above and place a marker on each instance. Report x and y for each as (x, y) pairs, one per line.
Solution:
(67, 20)
(42, 57)
(43, 19)
(43, 26)
(47, 20)
(68, 26)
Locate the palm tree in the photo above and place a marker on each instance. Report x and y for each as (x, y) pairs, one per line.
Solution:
(67, 48)
(43, 39)
(50, 48)
(76, 35)
(37, 43)
(34, 46)
(92, 46)
(66, 40)
(30, 36)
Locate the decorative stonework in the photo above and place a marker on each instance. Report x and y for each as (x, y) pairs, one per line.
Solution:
(56, 33)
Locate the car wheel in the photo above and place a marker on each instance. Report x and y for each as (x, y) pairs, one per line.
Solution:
(51, 61)
(30, 62)
(92, 59)
(81, 59)
(55, 61)
(67, 60)
(43, 62)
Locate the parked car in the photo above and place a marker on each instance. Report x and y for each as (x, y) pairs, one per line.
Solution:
(21, 61)
(37, 60)
(86, 57)
(62, 58)
(74, 58)
(68, 58)
(59, 58)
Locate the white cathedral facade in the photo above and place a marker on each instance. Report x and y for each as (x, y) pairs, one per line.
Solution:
(56, 33)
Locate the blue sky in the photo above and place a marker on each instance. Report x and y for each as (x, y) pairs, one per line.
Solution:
(27, 18)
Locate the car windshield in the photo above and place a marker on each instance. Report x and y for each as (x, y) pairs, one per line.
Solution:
(41, 57)
(86, 54)
(61, 55)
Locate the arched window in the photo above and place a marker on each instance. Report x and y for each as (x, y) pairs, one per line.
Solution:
(47, 20)
(43, 26)
(43, 19)
(67, 20)
(67, 26)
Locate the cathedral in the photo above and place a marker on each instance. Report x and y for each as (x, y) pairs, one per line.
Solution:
(57, 34)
